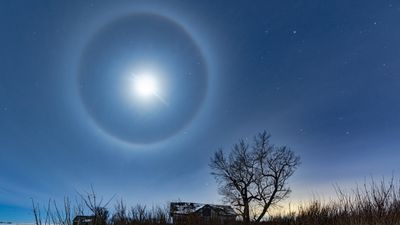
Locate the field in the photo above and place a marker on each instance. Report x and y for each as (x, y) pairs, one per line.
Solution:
(375, 203)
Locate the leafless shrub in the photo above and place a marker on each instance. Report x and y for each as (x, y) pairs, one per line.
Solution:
(54, 214)
(120, 216)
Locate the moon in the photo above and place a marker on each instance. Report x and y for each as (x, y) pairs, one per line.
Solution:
(142, 78)
(145, 86)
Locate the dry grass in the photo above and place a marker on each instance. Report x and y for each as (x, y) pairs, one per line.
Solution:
(372, 204)
(375, 203)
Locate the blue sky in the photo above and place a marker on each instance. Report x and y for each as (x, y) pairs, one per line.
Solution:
(321, 77)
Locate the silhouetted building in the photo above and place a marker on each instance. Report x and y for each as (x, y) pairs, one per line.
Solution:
(83, 220)
(187, 212)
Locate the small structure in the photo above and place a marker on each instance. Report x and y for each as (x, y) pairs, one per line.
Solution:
(190, 213)
(83, 220)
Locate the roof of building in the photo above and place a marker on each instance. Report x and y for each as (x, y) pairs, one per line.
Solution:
(185, 208)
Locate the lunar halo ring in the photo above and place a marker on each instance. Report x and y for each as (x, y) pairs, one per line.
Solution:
(121, 43)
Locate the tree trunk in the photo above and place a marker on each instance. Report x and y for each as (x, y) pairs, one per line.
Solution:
(246, 211)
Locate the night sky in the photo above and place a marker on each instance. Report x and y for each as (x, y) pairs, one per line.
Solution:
(323, 77)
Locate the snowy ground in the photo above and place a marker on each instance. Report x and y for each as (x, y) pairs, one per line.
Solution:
(11, 223)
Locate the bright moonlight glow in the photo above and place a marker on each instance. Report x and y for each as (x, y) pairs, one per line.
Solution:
(145, 85)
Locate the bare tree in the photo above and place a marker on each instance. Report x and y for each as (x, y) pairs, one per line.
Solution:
(96, 206)
(275, 165)
(254, 177)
